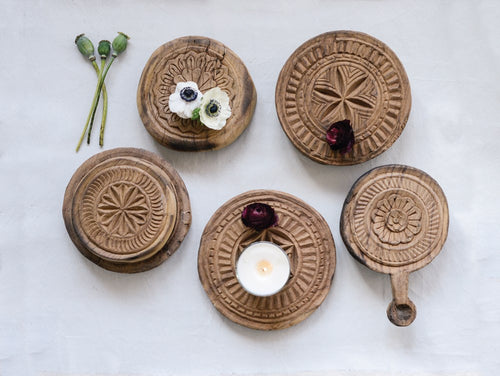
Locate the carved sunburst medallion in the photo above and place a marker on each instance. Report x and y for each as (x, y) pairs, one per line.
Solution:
(126, 209)
(123, 209)
(301, 232)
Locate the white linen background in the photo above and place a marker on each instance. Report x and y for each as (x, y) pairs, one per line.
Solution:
(62, 315)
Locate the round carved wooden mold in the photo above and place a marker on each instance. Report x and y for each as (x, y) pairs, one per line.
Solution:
(395, 221)
(210, 64)
(301, 232)
(127, 210)
(343, 75)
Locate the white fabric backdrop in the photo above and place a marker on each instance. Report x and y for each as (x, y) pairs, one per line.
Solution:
(62, 315)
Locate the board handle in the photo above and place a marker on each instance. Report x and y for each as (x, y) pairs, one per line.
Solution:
(401, 310)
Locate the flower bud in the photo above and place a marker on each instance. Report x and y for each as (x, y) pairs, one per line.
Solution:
(259, 216)
(85, 46)
(196, 114)
(340, 136)
(120, 44)
(104, 48)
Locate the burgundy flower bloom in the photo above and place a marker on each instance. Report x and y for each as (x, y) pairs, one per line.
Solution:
(340, 136)
(259, 216)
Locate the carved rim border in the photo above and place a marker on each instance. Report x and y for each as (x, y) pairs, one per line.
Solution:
(303, 306)
(337, 158)
(177, 235)
(208, 139)
(346, 224)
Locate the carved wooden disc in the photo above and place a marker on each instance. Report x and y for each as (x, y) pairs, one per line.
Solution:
(209, 63)
(395, 219)
(126, 210)
(301, 232)
(343, 75)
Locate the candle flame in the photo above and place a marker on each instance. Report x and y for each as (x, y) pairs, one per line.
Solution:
(264, 267)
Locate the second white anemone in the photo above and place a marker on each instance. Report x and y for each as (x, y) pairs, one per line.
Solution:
(185, 99)
(215, 108)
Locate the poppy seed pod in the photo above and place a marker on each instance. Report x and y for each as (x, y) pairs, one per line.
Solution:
(104, 48)
(120, 43)
(85, 46)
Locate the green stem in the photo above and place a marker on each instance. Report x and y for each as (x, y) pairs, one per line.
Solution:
(94, 102)
(101, 82)
(105, 109)
(104, 97)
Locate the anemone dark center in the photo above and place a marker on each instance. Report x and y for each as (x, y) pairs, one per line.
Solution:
(189, 94)
(213, 108)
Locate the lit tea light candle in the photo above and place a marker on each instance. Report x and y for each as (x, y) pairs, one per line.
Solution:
(263, 268)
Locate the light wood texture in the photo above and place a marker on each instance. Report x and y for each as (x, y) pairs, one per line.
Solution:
(301, 232)
(127, 210)
(209, 63)
(343, 75)
(395, 221)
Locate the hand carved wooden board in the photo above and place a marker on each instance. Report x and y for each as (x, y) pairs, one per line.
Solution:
(343, 75)
(126, 209)
(208, 63)
(301, 232)
(395, 221)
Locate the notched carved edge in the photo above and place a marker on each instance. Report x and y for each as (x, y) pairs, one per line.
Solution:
(177, 235)
(219, 139)
(342, 160)
(212, 292)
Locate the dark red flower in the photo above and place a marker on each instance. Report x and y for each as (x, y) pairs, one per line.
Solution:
(259, 216)
(340, 136)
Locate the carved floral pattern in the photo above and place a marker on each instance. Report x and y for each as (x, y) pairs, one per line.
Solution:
(343, 92)
(206, 70)
(396, 219)
(123, 209)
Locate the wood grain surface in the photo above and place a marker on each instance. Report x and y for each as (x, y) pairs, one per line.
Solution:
(343, 75)
(395, 221)
(127, 210)
(209, 63)
(301, 232)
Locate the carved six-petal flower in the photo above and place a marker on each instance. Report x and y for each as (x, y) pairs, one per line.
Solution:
(342, 92)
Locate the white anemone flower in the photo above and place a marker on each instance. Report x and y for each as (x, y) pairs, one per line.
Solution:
(215, 108)
(186, 98)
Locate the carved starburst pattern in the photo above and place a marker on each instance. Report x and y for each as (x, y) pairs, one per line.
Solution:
(122, 210)
(344, 92)
(396, 219)
(274, 235)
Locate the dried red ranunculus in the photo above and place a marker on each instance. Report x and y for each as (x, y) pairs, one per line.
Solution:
(340, 136)
(259, 216)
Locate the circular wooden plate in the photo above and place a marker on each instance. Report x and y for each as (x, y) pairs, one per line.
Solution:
(301, 232)
(126, 209)
(343, 75)
(395, 221)
(209, 63)
(395, 217)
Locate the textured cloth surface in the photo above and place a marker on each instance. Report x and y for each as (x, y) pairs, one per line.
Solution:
(62, 315)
